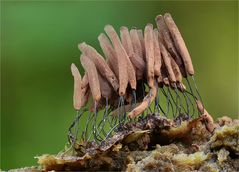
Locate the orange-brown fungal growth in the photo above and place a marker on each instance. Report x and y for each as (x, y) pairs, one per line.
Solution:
(157, 54)
(100, 64)
(138, 57)
(167, 61)
(77, 87)
(131, 75)
(92, 75)
(109, 53)
(137, 46)
(179, 42)
(145, 103)
(206, 116)
(127, 44)
(169, 44)
(141, 38)
(84, 81)
(176, 70)
(105, 88)
(137, 68)
(149, 50)
(126, 41)
(121, 57)
(85, 95)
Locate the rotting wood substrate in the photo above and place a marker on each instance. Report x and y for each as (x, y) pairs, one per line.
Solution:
(159, 144)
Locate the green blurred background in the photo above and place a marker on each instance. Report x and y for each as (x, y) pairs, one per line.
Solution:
(39, 42)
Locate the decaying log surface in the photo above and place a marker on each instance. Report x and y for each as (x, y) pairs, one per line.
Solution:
(159, 144)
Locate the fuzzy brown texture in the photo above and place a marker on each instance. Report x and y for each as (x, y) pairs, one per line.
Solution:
(149, 50)
(149, 98)
(167, 61)
(128, 46)
(205, 115)
(77, 87)
(164, 31)
(121, 58)
(84, 81)
(131, 50)
(157, 54)
(138, 56)
(100, 64)
(105, 88)
(179, 42)
(141, 38)
(176, 70)
(92, 75)
(109, 53)
(85, 95)
(126, 41)
(138, 44)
